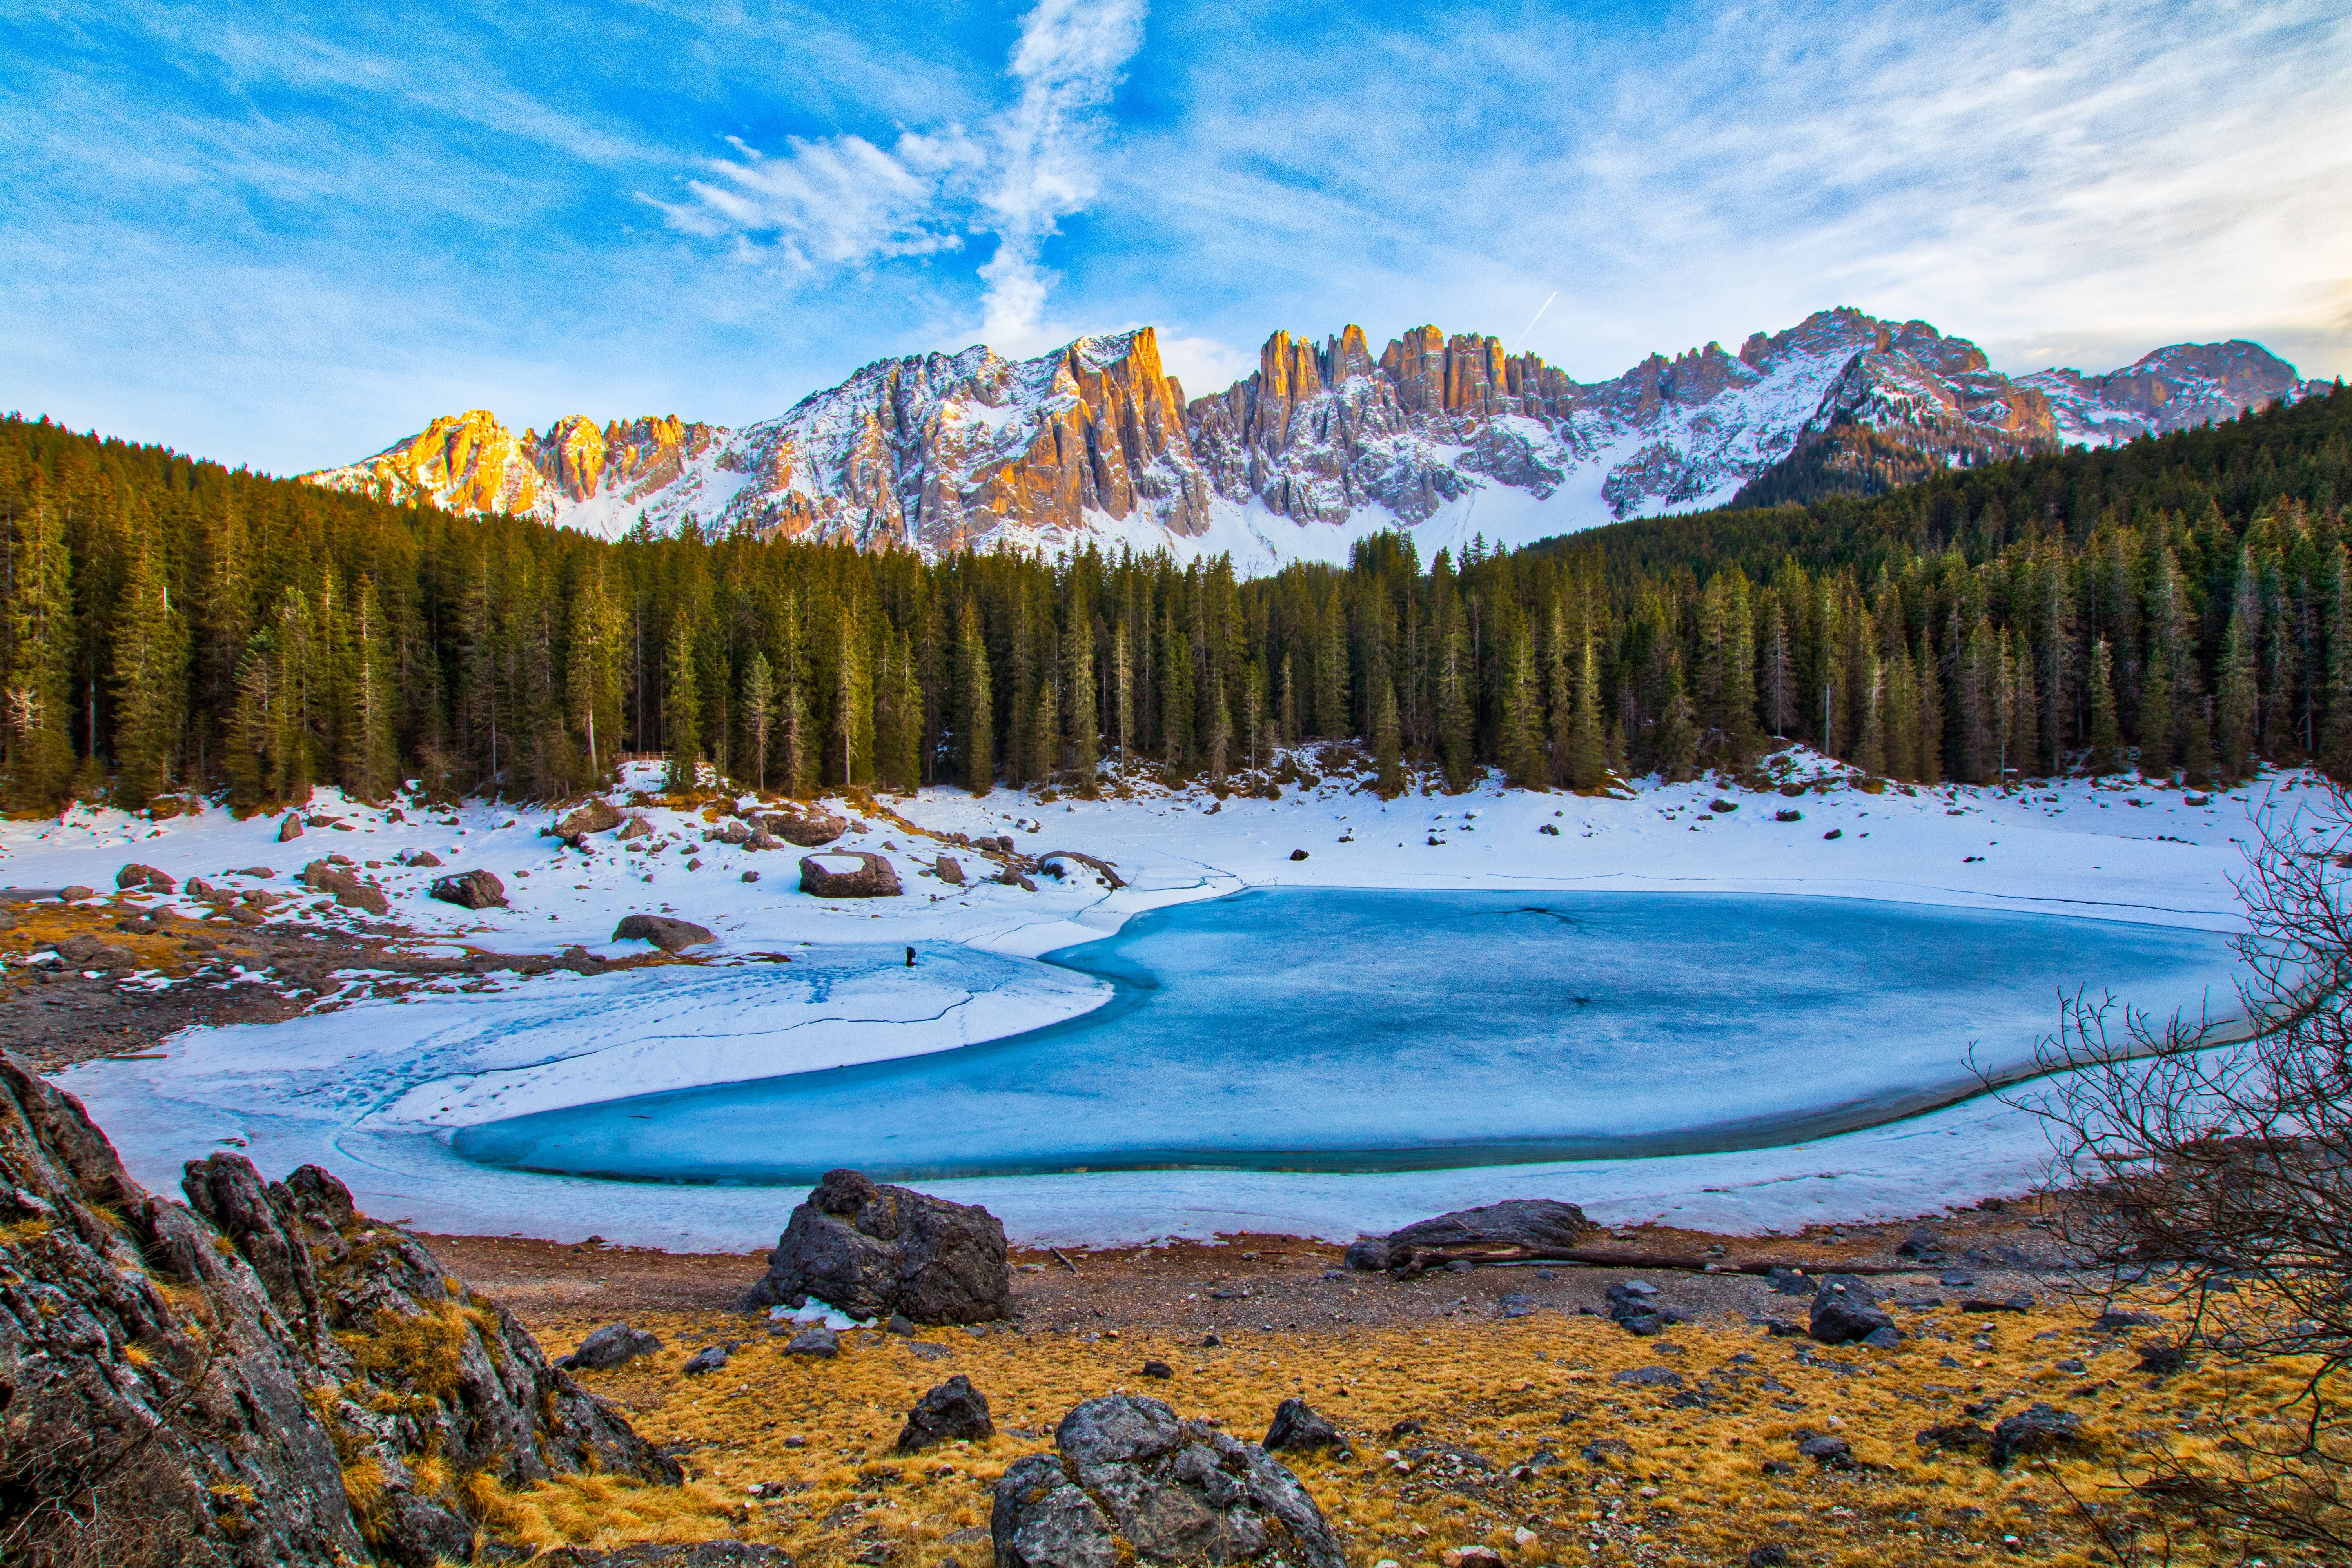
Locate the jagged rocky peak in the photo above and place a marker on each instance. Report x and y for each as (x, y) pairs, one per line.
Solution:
(473, 462)
(2174, 388)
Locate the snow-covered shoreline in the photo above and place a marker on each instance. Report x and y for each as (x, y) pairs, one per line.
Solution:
(374, 1089)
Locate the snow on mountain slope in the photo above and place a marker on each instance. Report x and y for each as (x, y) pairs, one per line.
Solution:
(1447, 435)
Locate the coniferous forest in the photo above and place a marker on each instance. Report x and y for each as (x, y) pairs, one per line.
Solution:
(2182, 604)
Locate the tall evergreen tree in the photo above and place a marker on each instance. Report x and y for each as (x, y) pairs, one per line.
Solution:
(682, 709)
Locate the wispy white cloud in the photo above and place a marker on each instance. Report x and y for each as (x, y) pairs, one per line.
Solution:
(842, 201)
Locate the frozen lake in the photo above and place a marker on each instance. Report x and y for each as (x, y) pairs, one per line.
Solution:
(1353, 1030)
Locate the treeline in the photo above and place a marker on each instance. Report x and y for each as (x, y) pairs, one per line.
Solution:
(172, 625)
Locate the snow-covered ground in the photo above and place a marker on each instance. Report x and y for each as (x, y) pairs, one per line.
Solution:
(374, 1089)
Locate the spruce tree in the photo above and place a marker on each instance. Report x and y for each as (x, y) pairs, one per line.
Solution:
(2105, 755)
(150, 675)
(1589, 762)
(1930, 769)
(758, 713)
(1045, 735)
(978, 718)
(1175, 691)
(2234, 699)
(1677, 731)
(369, 729)
(682, 708)
(41, 759)
(1520, 742)
(1083, 704)
(1388, 749)
(592, 673)
(1455, 714)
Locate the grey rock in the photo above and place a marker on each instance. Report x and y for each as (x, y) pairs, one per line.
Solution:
(1297, 1426)
(290, 829)
(817, 1340)
(1516, 1304)
(2037, 1429)
(651, 1555)
(1648, 1377)
(949, 869)
(348, 889)
(1831, 1452)
(873, 1250)
(614, 1344)
(669, 934)
(138, 876)
(476, 889)
(1127, 1473)
(1957, 1278)
(1882, 1339)
(1544, 1224)
(874, 878)
(263, 1291)
(807, 829)
(597, 815)
(1846, 1310)
(1923, 1244)
(74, 893)
(710, 1358)
(953, 1411)
(2162, 1358)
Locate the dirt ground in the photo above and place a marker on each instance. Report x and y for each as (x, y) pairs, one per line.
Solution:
(1527, 1440)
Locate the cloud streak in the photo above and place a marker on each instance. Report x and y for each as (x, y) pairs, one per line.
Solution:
(841, 201)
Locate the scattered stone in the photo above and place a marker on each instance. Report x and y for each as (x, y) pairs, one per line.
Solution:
(74, 893)
(652, 1554)
(1157, 1369)
(598, 816)
(2162, 1358)
(2021, 1302)
(1788, 814)
(669, 934)
(612, 1346)
(1793, 1281)
(953, 1411)
(1471, 1557)
(1923, 1244)
(1957, 1278)
(1720, 804)
(635, 828)
(1826, 1449)
(874, 878)
(1602, 1450)
(423, 858)
(872, 1250)
(1297, 1425)
(1885, 1339)
(1767, 1556)
(1648, 1377)
(710, 1358)
(2037, 1429)
(900, 1323)
(476, 889)
(2111, 1320)
(949, 869)
(1955, 1436)
(817, 1340)
(1846, 1310)
(807, 829)
(1298, 854)
(1131, 1482)
(1834, 833)
(136, 876)
(290, 830)
(1543, 1224)
(1516, 1304)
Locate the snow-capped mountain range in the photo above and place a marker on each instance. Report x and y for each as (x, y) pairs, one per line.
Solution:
(1447, 435)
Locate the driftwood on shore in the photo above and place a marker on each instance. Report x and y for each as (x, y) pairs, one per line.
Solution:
(1108, 874)
(1420, 1260)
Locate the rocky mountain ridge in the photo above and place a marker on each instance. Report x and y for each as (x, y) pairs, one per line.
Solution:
(1444, 434)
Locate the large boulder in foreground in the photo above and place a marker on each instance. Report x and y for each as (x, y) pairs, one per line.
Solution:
(875, 877)
(1543, 1225)
(598, 816)
(873, 1250)
(808, 829)
(1127, 1473)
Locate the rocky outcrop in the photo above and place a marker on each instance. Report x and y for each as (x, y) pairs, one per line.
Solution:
(1541, 1224)
(471, 462)
(806, 828)
(138, 877)
(1845, 1311)
(597, 815)
(873, 1250)
(348, 890)
(255, 1378)
(874, 878)
(1130, 1482)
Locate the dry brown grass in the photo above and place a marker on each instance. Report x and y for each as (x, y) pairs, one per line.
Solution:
(1691, 1487)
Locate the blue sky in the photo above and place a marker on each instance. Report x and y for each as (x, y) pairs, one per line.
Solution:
(285, 236)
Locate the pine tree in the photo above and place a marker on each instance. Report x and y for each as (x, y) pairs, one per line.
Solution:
(1589, 763)
(2105, 755)
(371, 745)
(2234, 698)
(1930, 768)
(1078, 670)
(1870, 751)
(1123, 682)
(1520, 742)
(1045, 735)
(758, 713)
(1454, 712)
(592, 676)
(978, 715)
(1175, 691)
(1975, 697)
(150, 675)
(682, 709)
(1677, 731)
(1388, 749)
(41, 760)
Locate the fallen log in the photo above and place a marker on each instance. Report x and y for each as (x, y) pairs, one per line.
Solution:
(1420, 1260)
(1108, 874)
